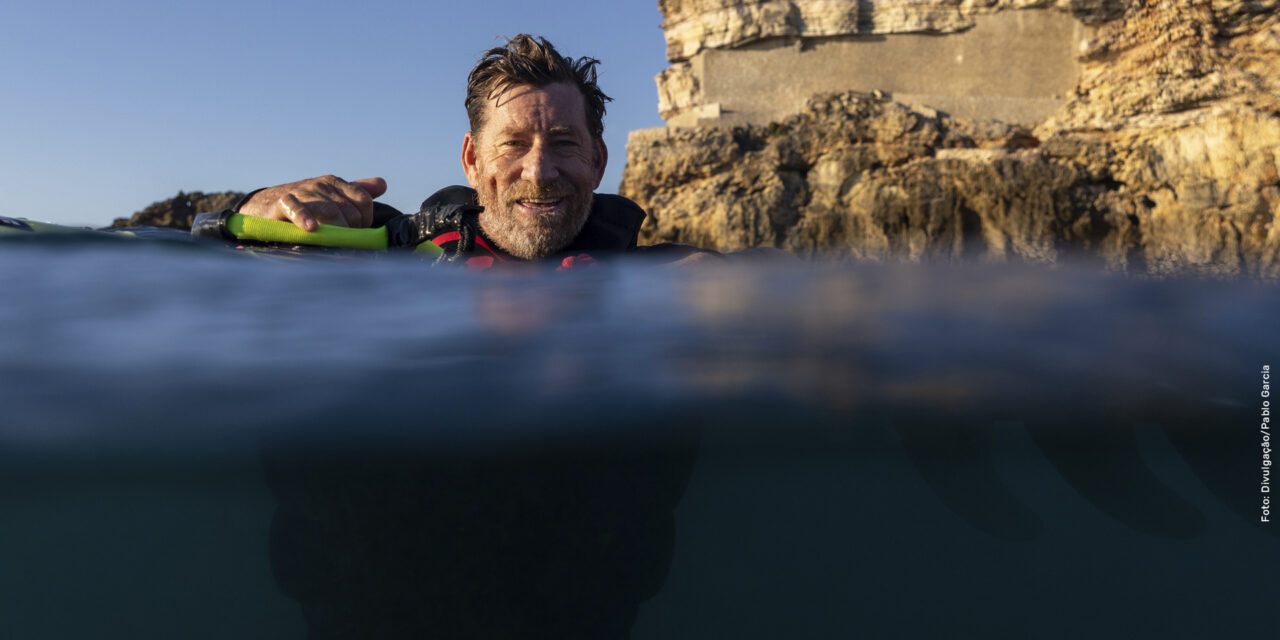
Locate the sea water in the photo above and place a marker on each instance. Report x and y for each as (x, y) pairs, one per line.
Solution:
(200, 443)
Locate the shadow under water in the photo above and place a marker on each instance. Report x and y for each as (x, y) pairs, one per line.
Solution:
(198, 445)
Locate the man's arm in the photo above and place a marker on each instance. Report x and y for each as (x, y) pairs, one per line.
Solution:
(323, 200)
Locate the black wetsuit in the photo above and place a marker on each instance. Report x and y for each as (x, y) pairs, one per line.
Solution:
(612, 226)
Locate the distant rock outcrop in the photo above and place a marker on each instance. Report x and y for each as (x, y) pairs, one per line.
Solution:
(1163, 158)
(178, 212)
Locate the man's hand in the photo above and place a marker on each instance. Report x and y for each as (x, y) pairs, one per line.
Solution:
(323, 200)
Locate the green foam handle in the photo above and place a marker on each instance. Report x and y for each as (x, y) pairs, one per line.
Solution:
(325, 235)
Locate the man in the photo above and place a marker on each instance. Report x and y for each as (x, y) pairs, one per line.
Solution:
(561, 537)
(533, 157)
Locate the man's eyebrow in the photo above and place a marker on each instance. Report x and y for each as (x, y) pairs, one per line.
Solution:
(560, 129)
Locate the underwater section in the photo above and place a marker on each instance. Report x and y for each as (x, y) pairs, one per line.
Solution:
(203, 444)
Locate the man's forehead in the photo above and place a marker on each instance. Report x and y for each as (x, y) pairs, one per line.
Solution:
(557, 107)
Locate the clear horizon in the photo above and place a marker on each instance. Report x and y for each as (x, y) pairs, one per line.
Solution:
(108, 107)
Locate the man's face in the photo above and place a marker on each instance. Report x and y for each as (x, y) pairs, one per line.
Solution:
(534, 166)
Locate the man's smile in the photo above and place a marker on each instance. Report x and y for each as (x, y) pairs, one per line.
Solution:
(536, 202)
(539, 206)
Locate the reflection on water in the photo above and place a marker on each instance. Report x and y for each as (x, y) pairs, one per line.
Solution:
(375, 449)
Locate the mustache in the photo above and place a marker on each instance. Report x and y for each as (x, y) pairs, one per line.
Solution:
(525, 191)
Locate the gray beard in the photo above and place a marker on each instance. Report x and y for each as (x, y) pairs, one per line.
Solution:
(532, 237)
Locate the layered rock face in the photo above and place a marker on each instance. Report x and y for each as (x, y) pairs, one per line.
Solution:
(1161, 159)
(695, 25)
(736, 61)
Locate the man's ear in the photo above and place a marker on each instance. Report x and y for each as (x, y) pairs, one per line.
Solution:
(602, 159)
(469, 160)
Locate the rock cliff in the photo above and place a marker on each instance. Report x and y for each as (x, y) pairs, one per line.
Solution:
(736, 60)
(178, 212)
(694, 25)
(1161, 159)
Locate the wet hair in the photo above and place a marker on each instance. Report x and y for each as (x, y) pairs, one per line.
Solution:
(526, 60)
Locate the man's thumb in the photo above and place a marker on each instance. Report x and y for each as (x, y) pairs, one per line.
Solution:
(372, 186)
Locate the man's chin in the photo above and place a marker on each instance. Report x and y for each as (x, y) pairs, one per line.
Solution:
(535, 232)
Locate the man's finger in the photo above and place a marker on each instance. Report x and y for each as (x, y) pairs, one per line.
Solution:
(330, 212)
(296, 212)
(352, 215)
(351, 192)
(373, 186)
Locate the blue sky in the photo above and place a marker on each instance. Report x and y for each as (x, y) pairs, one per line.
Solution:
(110, 105)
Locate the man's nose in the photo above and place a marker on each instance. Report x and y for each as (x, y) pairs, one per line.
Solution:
(539, 165)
